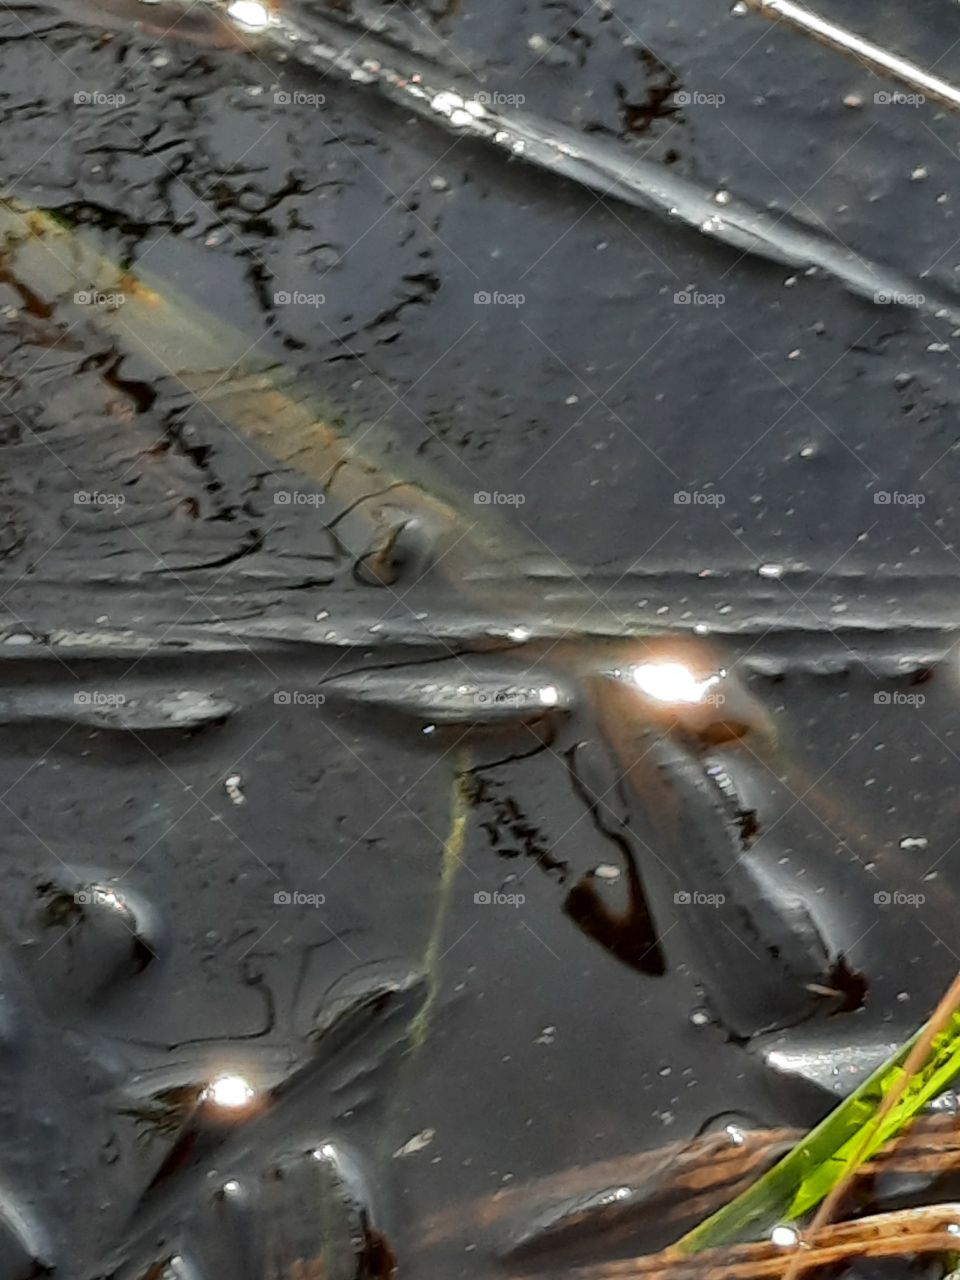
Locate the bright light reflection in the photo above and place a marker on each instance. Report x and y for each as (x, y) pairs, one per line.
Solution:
(735, 1134)
(784, 1237)
(230, 1092)
(249, 13)
(671, 682)
(106, 897)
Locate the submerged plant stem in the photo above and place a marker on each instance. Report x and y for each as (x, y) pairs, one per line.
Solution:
(452, 857)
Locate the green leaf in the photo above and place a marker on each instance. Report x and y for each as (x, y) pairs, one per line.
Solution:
(819, 1161)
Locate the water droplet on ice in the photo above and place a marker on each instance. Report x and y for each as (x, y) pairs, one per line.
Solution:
(233, 789)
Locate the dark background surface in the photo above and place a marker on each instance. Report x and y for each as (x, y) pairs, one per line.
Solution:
(597, 399)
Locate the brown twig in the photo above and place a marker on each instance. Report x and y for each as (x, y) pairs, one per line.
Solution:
(929, 1230)
(678, 1184)
(915, 1060)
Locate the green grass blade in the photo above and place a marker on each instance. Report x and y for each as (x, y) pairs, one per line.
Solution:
(816, 1164)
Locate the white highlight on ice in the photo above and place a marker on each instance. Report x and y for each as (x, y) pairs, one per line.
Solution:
(249, 14)
(671, 682)
(229, 1092)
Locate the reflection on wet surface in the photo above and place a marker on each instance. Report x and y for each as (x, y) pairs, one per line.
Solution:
(478, 717)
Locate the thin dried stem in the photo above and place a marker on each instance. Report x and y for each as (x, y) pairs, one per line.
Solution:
(918, 1055)
(908, 1232)
(676, 1185)
(866, 51)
